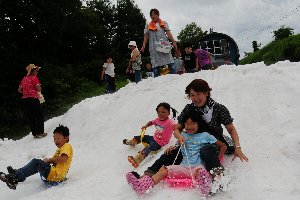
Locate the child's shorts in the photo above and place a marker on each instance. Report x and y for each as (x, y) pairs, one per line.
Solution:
(180, 172)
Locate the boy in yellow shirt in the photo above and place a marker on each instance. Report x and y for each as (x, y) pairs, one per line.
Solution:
(52, 169)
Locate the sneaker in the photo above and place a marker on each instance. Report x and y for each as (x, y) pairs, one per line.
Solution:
(2, 177)
(11, 170)
(125, 141)
(129, 142)
(10, 180)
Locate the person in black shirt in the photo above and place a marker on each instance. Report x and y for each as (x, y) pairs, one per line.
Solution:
(190, 60)
(215, 115)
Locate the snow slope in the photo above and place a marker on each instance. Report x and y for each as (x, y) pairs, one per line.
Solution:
(263, 100)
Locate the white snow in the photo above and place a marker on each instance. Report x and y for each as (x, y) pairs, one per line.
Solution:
(263, 100)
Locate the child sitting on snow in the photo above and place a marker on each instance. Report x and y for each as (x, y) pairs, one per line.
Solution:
(161, 137)
(191, 165)
(54, 169)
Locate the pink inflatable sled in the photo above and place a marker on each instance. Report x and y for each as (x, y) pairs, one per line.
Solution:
(179, 182)
(203, 182)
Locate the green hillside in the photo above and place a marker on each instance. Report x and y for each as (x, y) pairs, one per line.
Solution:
(285, 49)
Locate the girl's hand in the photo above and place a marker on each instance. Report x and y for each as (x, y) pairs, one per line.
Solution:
(238, 153)
(181, 139)
(169, 149)
(144, 127)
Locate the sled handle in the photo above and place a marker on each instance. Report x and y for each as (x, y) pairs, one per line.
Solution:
(143, 131)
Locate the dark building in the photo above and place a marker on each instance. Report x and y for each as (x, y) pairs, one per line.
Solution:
(223, 48)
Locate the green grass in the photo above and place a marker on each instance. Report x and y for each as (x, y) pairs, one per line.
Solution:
(285, 49)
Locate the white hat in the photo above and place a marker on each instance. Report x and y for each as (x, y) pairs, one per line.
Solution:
(132, 43)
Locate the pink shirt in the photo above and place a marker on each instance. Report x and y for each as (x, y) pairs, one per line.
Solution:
(28, 85)
(164, 130)
(203, 57)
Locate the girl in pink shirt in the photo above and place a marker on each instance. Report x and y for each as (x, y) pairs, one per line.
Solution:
(162, 135)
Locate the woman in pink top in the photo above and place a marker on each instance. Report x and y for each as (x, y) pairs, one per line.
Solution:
(30, 88)
(162, 135)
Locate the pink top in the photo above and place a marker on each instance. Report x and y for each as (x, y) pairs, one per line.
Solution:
(164, 130)
(203, 57)
(28, 85)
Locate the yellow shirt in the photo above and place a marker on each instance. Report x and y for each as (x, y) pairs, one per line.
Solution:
(59, 171)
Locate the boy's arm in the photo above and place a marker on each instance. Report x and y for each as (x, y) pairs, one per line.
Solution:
(223, 149)
(61, 159)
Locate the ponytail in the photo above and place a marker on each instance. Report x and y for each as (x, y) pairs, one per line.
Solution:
(173, 112)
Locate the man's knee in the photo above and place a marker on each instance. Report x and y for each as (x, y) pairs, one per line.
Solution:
(207, 150)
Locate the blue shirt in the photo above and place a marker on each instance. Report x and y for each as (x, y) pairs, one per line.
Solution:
(193, 143)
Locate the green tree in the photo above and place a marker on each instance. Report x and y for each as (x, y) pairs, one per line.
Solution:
(102, 14)
(191, 34)
(91, 37)
(33, 31)
(129, 25)
(283, 32)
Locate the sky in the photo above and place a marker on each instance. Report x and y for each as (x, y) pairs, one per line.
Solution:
(263, 100)
(245, 21)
